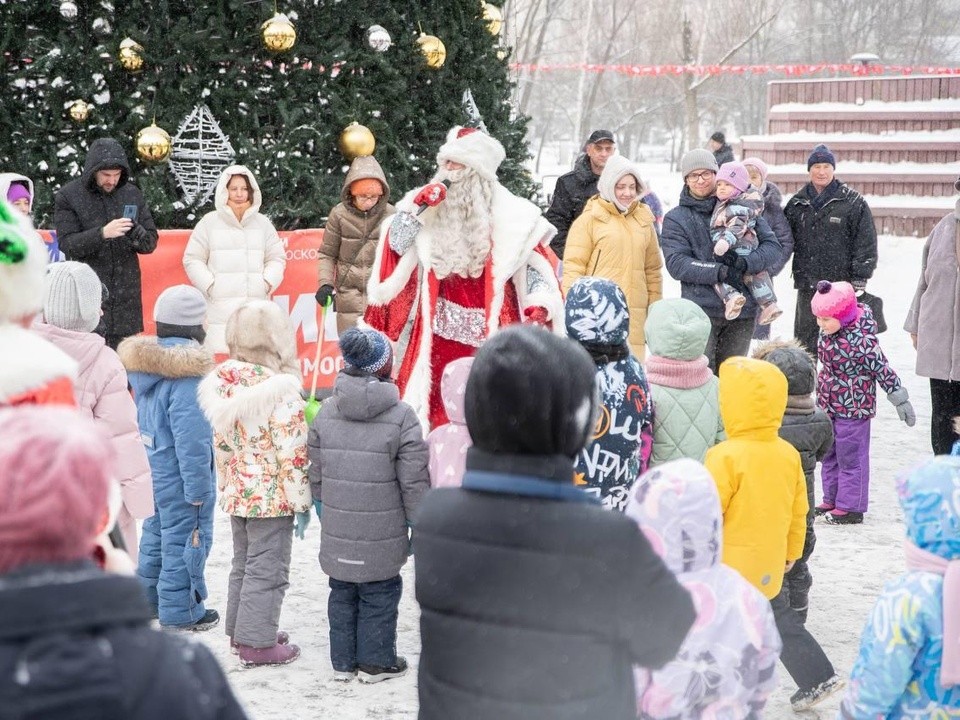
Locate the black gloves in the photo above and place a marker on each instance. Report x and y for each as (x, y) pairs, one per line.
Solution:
(139, 235)
(735, 262)
(326, 293)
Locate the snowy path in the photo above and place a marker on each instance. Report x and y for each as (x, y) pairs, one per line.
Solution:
(849, 566)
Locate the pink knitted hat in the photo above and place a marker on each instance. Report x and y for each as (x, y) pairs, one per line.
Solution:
(759, 164)
(54, 470)
(735, 174)
(835, 300)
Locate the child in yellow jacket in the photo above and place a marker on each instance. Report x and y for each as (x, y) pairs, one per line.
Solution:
(763, 497)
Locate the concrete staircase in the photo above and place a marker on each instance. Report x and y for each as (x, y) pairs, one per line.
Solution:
(896, 140)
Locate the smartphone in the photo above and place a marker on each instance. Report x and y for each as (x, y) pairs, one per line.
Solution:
(130, 212)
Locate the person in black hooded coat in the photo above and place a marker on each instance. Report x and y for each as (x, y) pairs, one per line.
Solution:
(89, 222)
(535, 602)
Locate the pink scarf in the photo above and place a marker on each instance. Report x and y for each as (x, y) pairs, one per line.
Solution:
(683, 374)
(923, 561)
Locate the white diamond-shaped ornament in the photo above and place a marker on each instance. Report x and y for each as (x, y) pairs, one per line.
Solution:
(200, 154)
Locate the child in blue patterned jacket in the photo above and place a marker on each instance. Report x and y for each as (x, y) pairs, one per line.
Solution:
(909, 660)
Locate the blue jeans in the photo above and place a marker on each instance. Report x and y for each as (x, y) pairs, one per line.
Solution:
(363, 623)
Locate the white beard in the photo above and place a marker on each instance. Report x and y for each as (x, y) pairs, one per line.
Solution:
(462, 225)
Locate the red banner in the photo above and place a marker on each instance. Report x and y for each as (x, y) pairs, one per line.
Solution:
(791, 69)
(164, 267)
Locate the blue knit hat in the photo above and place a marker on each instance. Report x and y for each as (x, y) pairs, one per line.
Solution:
(821, 154)
(367, 350)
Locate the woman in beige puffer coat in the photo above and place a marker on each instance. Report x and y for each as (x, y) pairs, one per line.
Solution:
(350, 240)
(234, 253)
(616, 238)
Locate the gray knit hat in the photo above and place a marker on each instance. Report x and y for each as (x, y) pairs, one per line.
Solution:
(72, 296)
(182, 305)
(697, 159)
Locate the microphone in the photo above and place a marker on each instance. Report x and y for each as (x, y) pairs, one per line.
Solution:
(431, 195)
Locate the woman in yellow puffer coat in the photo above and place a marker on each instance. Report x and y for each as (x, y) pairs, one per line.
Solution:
(615, 238)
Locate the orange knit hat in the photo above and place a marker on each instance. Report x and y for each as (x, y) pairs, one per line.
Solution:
(366, 186)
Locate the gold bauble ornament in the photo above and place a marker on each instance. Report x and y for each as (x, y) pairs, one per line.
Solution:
(131, 55)
(278, 33)
(356, 140)
(153, 144)
(79, 111)
(433, 50)
(493, 18)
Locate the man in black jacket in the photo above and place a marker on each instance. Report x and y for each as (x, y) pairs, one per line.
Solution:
(720, 148)
(577, 186)
(535, 602)
(689, 258)
(102, 220)
(833, 239)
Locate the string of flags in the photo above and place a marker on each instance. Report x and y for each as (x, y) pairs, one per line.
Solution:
(792, 69)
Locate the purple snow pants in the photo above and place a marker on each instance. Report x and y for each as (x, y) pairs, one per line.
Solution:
(846, 468)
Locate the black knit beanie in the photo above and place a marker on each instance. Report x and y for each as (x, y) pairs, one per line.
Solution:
(531, 392)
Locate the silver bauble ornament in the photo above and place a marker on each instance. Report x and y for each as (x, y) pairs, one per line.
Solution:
(378, 38)
(68, 9)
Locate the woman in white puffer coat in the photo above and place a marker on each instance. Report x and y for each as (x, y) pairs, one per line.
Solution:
(234, 253)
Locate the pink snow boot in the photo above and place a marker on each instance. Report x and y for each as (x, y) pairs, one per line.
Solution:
(276, 655)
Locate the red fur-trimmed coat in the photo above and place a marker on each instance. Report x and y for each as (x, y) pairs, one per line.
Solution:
(519, 275)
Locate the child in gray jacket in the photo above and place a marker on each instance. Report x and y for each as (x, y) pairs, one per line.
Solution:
(368, 472)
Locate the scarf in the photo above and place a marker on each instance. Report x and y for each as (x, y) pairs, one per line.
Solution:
(818, 200)
(239, 208)
(923, 561)
(682, 374)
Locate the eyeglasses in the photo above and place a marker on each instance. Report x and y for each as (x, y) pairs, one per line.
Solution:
(368, 198)
(701, 176)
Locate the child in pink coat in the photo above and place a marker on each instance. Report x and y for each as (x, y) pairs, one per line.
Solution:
(726, 667)
(448, 443)
(71, 312)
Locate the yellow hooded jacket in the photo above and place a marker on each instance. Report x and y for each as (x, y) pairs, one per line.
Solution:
(759, 476)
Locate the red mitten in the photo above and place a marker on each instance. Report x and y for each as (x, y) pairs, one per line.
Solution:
(536, 315)
(431, 195)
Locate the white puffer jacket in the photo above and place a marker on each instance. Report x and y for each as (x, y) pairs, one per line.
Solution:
(231, 261)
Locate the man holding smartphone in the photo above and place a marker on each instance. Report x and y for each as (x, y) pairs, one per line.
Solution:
(102, 220)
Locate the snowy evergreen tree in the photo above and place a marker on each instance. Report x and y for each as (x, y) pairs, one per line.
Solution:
(283, 113)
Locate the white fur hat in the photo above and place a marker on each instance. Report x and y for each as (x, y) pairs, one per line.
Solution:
(473, 148)
(23, 262)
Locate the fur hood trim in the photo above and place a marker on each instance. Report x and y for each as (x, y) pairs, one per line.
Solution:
(144, 354)
(226, 399)
(28, 362)
(763, 350)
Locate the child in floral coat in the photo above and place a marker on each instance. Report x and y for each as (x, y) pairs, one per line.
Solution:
(260, 447)
(851, 364)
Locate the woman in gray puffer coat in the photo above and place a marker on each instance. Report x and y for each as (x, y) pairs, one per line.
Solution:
(350, 240)
(368, 472)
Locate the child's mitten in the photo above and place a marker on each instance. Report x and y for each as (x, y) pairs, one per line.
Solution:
(300, 522)
(901, 401)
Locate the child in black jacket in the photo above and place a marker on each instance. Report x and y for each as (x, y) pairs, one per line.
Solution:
(808, 429)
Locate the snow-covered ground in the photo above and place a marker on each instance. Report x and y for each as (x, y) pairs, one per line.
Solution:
(850, 564)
